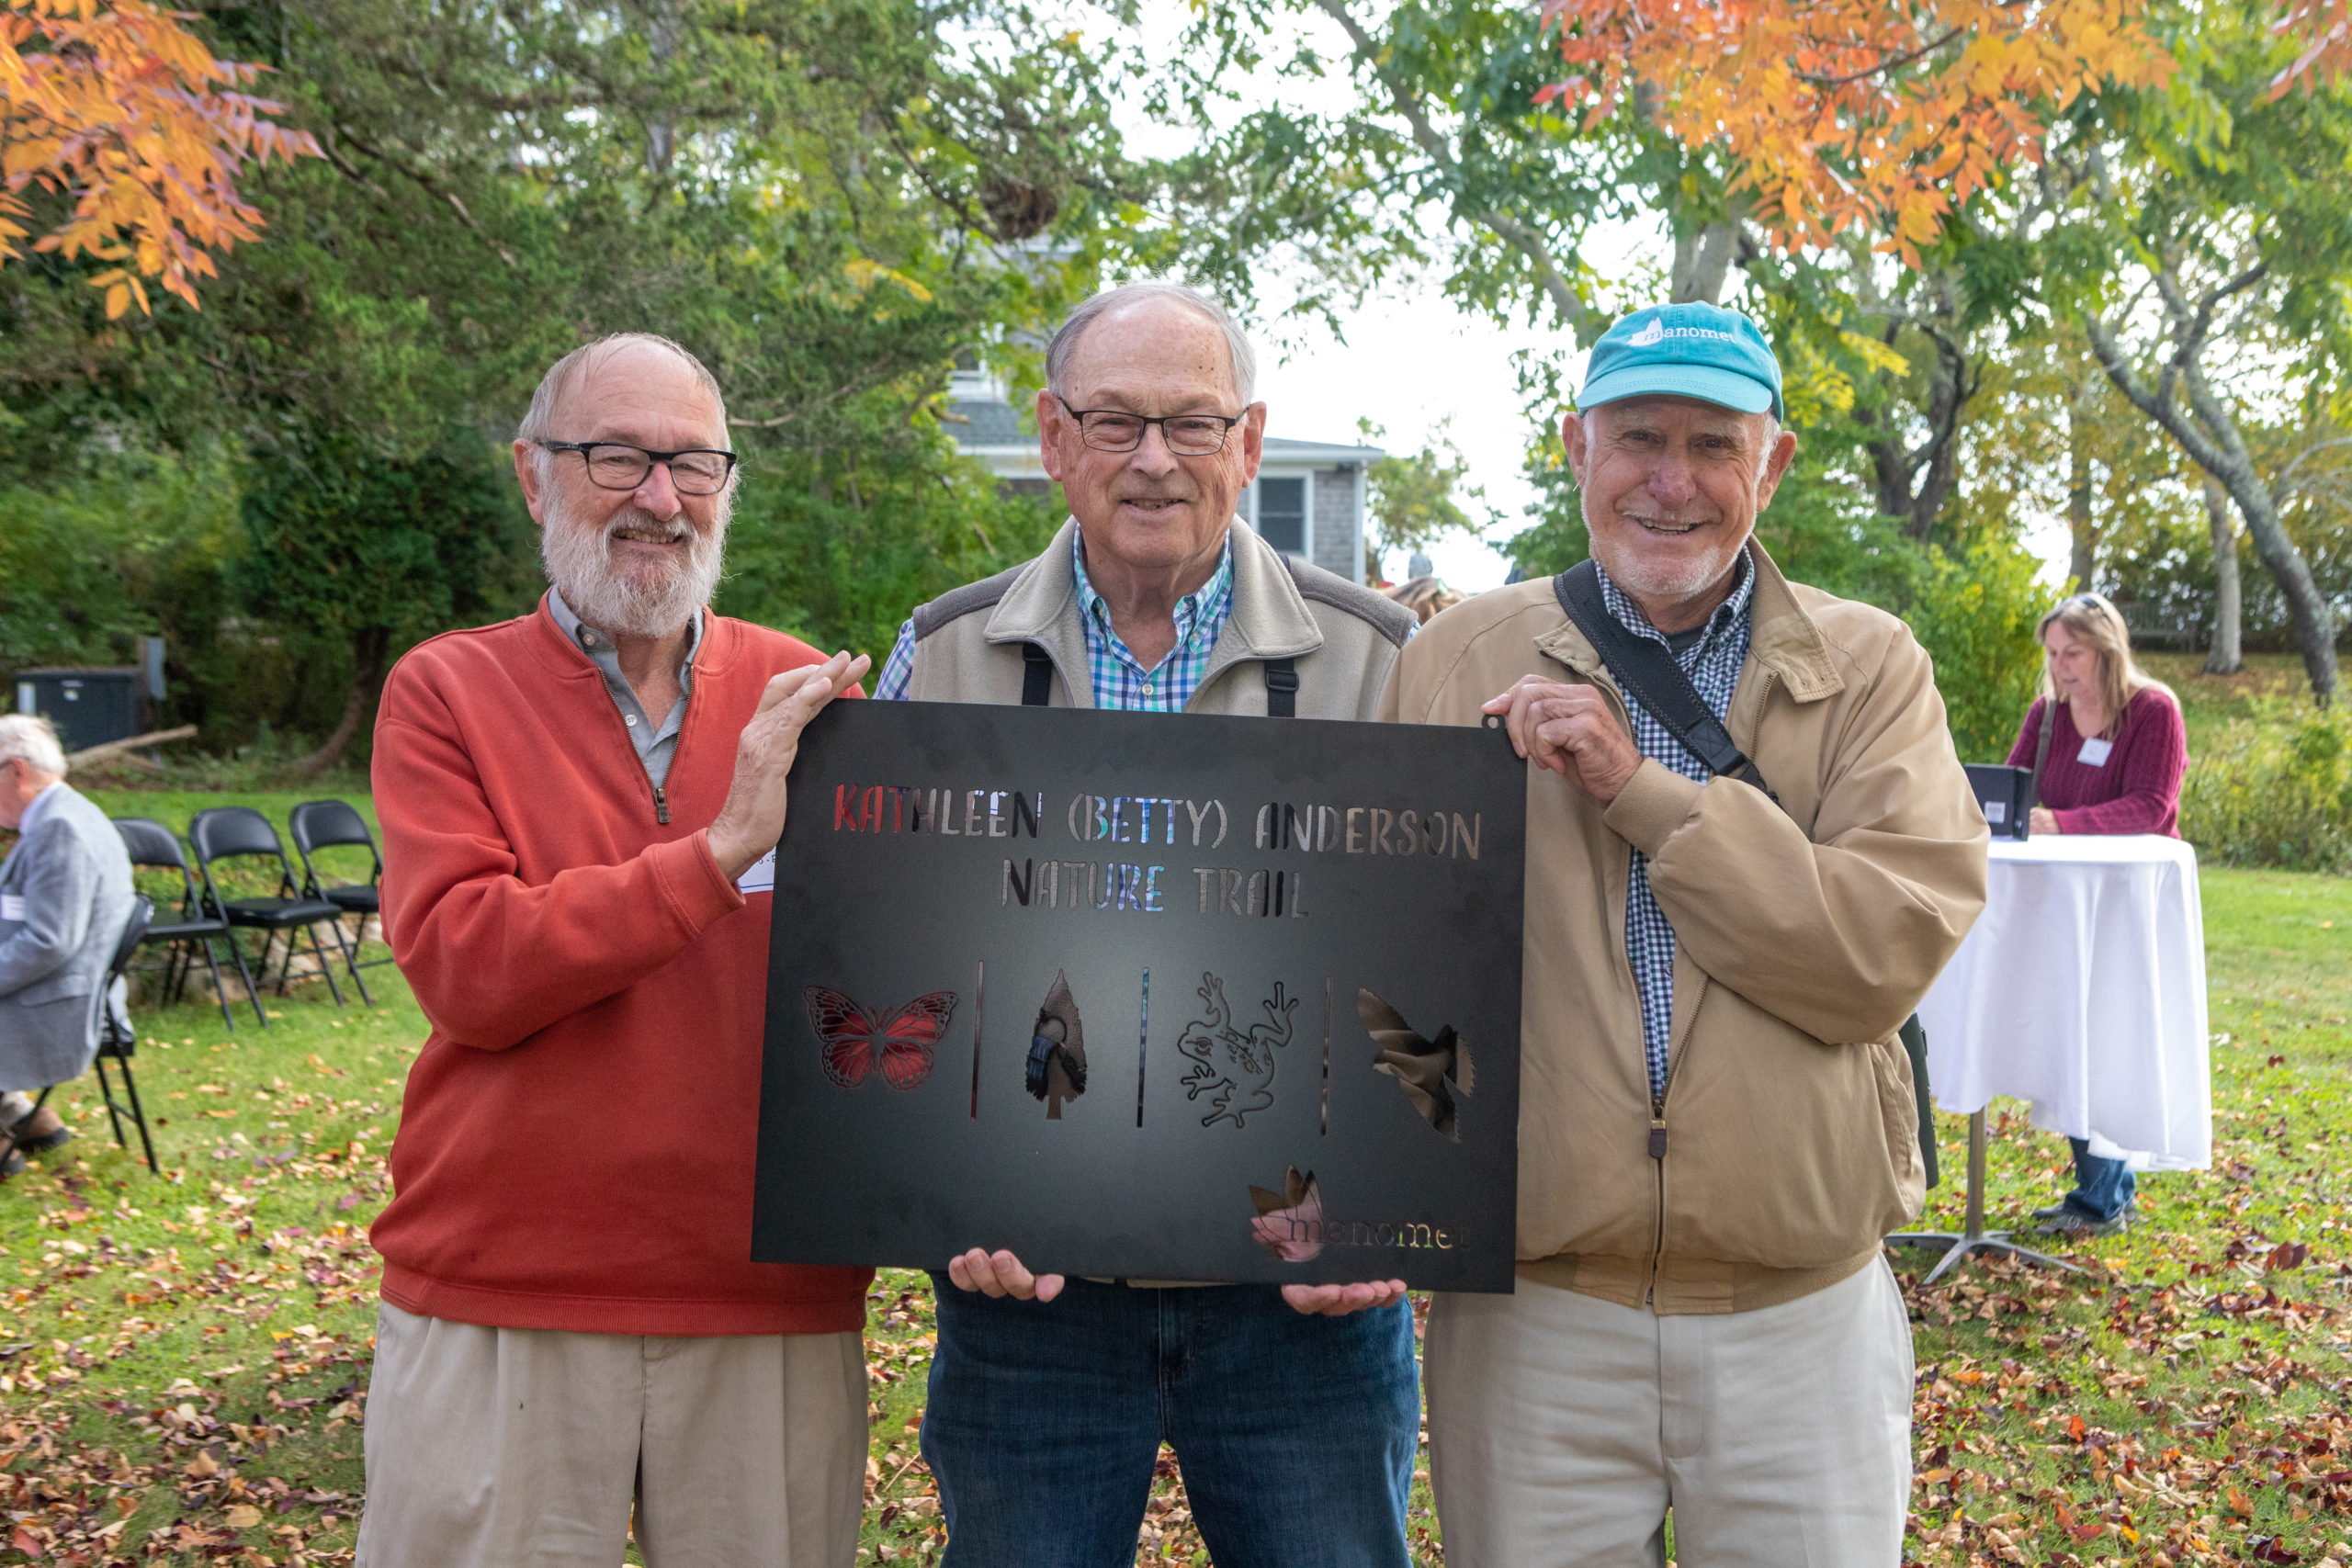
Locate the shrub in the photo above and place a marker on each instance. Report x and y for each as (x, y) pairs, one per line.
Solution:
(1974, 613)
(2274, 790)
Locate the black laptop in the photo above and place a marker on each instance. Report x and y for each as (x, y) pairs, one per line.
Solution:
(2006, 794)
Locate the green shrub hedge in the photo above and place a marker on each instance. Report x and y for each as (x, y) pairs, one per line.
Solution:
(2275, 789)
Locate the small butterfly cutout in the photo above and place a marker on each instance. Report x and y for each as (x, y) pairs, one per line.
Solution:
(853, 1040)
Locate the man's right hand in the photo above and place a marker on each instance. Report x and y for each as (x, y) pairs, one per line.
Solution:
(1001, 1274)
(751, 820)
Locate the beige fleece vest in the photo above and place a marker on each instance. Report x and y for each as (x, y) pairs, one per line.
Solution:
(1342, 638)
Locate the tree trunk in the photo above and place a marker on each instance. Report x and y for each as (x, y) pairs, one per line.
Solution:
(2080, 526)
(2212, 441)
(2225, 656)
(1701, 262)
(369, 647)
(1914, 482)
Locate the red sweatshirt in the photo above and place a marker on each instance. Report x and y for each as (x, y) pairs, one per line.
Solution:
(2138, 789)
(576, 1144)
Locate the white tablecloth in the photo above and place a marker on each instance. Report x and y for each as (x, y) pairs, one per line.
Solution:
(2082, 989)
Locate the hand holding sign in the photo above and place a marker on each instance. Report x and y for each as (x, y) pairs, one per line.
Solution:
(1569, 730)
(751, 820)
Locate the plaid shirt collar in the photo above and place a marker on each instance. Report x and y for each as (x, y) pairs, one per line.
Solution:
(1728, 616)
(1120, 679)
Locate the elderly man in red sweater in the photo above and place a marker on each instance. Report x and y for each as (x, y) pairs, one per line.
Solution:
(573, 1342)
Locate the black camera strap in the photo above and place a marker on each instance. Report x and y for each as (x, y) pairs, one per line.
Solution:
(1649, 673)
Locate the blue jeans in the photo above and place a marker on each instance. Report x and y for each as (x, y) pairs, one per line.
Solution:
(2102, 1187)
(1295, 1434)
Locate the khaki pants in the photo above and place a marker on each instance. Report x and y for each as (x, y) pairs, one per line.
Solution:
(1562, 1427)
(517, 1448)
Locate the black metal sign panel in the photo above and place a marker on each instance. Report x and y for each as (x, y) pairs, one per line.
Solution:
(1145, 996)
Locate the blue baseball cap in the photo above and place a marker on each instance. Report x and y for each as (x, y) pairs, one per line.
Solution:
(1690, 351)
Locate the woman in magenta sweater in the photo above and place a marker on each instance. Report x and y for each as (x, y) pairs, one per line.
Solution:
(2107, 749)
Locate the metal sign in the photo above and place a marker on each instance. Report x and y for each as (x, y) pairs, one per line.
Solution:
(1156, 996)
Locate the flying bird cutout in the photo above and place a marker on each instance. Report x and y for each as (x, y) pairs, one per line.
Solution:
(1057, 1067)
(1289, 1223)
(1431, 1072)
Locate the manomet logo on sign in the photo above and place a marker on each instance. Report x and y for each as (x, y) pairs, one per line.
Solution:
(1658, 332)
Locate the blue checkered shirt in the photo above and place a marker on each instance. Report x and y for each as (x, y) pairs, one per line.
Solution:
(1712, 663)
(1120, 681)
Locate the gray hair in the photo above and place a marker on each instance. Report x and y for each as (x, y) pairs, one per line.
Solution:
(566, 373)
(31, 741)
(1065, 339)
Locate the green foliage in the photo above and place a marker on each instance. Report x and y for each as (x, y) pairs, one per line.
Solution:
(1413, 499)
(827, 203)
(1975, 613)
(2274, 790)
(363, 547)
(837, 549)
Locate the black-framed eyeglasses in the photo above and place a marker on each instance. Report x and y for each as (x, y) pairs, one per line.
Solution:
(617, 465)
(1187, 435)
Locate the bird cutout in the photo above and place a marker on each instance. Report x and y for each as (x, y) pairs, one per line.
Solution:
(1057, 1067)
(1236, 1066)
(854, 1039)
(1431, 1072)
(1289, 1223)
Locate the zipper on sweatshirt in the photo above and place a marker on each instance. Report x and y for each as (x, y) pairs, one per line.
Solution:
(661, 806)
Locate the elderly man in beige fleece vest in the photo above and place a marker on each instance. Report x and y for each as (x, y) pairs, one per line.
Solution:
(1292, 1413)
(1716, 1122)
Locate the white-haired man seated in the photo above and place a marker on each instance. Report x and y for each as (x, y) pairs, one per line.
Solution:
(64, 893)
(574, 1345)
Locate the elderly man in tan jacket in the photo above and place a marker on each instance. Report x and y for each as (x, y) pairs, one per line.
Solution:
(1716, 1121)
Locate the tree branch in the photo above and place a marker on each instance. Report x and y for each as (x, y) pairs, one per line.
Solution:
(1520, 236)
(434, 187)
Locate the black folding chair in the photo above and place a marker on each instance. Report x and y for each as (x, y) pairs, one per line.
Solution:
(191, 930)
(115, 1044)
(231, 832)
(332, 824)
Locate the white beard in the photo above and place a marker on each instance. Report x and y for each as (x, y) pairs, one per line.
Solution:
(651, 604)
(1680, 580)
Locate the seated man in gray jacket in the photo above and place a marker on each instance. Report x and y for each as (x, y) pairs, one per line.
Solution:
(64, 893)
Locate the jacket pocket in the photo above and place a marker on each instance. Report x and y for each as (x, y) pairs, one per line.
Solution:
(1781, 1150)
(1899, 1111)
(54, 987)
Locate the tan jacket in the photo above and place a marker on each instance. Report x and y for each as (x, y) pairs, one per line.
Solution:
(1806, 933)
(1344, 637)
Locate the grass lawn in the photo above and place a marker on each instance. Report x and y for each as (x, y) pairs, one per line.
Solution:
(184, 1361)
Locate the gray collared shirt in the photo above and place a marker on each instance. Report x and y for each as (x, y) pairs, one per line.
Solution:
(656, 744)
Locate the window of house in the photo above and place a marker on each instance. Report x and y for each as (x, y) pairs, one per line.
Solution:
(1282, 514)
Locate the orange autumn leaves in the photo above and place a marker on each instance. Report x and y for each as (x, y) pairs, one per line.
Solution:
(1836, 114)
(115, 106)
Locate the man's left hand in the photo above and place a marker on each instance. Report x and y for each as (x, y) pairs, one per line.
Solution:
(1338, 1301)
(1569, 730)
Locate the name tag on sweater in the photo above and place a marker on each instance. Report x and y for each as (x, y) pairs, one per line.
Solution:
(761, 878)
(2095, 752)
(11, 906)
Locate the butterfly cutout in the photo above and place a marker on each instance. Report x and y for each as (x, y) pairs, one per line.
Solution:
(1289, 1223)
(853, 1040)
